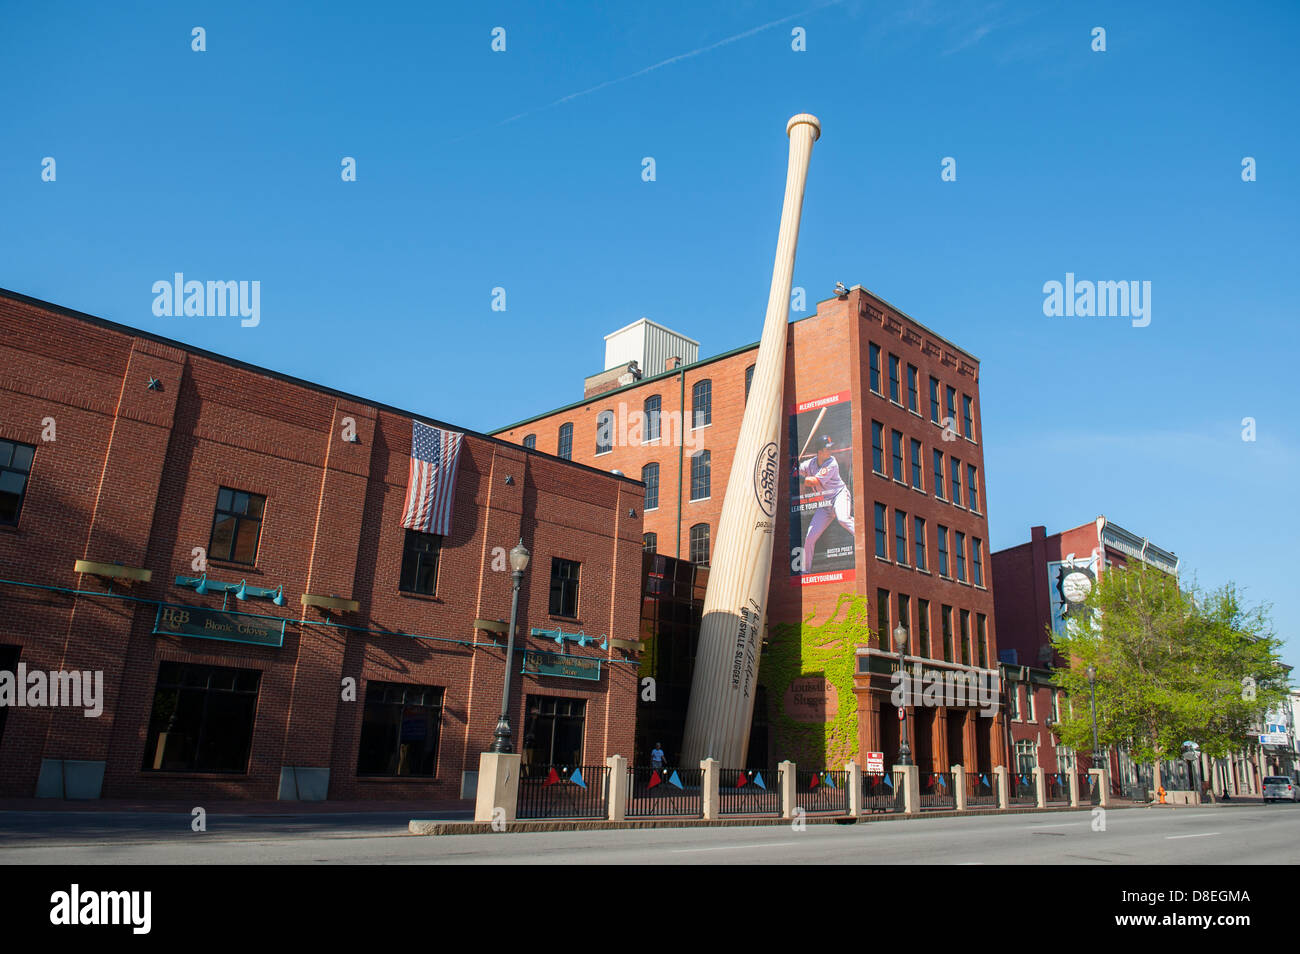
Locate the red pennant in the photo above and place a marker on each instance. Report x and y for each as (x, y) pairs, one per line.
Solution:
(740, 781)
(816, 780)
(552, 778)
(654, 779)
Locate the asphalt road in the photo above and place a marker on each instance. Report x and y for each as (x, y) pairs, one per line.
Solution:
(1142, 836)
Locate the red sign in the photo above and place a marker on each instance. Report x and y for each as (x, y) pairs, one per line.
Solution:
(875, 763)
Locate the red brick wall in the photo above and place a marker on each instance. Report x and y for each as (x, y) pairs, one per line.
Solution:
(133, 477)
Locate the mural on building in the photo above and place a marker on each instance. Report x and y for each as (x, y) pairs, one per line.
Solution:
(821, 490)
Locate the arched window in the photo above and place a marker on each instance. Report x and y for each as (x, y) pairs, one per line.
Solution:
(700, 467)
(650, 542)
(530, 441)
(650, 477)
(749, 380)
(700, 544)
(702, 403)
(604, 432)
(565, 448)
(652, 418)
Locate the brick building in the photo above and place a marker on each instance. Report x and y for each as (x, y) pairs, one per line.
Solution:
(322, 650)
(900, 407)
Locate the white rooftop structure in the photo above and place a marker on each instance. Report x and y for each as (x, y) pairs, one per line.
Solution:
(650, 345)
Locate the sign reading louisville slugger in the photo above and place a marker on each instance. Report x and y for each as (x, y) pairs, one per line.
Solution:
(735, 603)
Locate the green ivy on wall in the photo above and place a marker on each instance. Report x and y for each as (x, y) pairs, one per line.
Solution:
(826, 649)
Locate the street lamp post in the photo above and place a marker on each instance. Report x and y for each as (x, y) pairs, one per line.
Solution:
(519, 557)
(1091, 672)
(900, 642)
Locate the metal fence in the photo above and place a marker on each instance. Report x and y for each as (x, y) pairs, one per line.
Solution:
(980, 792)
(937, 790)
(563, 791)
(655, 792)
(749, 792)
(1020, 789)
(1088, 791)
(882, 793)
(1056, 787)
(824, 791)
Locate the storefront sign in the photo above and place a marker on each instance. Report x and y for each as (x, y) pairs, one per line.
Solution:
(214, 624)
(1273, 738)
(811, 699)
(555, 664)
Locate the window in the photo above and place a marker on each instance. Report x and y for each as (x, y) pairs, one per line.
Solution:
(651, 411)
(399, 730)
(945, 619)
(749, 380)
(8, 663)
(959, 551)
(881, 544)
(1013, 701)
(923, 647)
(943, 550)
(702, 403)
(897, 441)
(882, 621)
(934, 400)
(1026, 756)
(553, 730)
(982, 637)
(650, 477)
(965, 637)
(1056, 707)
(564, 587)
(875, 368)
(530, 441)
(700, 544)
(893, 379)
(954, 472)
(900, 536)
(967, 418)
(938, 474)
(565, 444)
(972, 494)
(15, 468)
(700, 467)
(1029, 702)
(977, 561)
(650, 542)
(951, 393)
(604, 432)
(916, 464)
(236, 526)
(202, 719)
(918, 542)
(905, 620)
(877, 447)
(913, 384)
(420, 563)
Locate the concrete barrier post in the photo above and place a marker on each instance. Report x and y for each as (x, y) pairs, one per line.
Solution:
(1040, 787)
(785, 773)
(1004, 791)
(1074, 789)
(617, 788)
(959, 786)
(709, 782)
(855, 788)
(498, 787)
(911, 788)
(1102, 779)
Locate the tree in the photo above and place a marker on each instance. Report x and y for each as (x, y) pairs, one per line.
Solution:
(1173, 664)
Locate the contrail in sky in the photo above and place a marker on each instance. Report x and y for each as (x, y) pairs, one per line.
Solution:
(662, 63)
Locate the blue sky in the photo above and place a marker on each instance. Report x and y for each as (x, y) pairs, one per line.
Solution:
(478, 169)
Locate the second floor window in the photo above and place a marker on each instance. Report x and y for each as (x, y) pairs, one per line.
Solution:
(605, 432)
(702, 404)
(699, 554)
(420, 563)
(565, 445)
(15, 467)
(882, 544)
(236, 526)
(700, 482)
(564, 587)
(651, 409)
(650, 542)
(650, 477)
(749, 380)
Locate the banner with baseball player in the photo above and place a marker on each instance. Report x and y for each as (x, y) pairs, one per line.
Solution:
(821, 490)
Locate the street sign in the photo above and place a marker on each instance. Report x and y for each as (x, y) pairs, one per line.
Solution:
(875, 763)
(1273, 738)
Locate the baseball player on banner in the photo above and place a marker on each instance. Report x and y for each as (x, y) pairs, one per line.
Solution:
(821, 474)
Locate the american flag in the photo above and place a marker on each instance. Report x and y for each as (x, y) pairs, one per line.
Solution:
(432, 480)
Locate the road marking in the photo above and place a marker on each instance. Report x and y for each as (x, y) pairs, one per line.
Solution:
(770, 844)
(1062, 825)
(1205, 834)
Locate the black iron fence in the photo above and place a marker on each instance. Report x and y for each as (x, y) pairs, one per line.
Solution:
(653, 792)
(563, 791)
(937, 790)
(1088, 790)
(1021, 789)
(980, 790)
(1056, 787)
(882, 793)
(824, 791)
(749, 792)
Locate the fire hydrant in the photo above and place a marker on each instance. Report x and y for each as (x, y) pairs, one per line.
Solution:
(1161, 792)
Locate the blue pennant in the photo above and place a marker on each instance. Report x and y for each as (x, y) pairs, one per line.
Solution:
(943, 782)
(674, 780)
(758, 780)
(830, 781)
(576, 779)
(984, 779)
(889, 781)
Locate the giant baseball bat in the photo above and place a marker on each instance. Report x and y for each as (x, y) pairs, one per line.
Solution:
(812, 433)
(735, 603)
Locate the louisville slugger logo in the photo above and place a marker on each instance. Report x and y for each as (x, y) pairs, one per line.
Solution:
(765, 478)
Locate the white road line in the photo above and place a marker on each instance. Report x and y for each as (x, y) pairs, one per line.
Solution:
(770, 844)
(1205, 834)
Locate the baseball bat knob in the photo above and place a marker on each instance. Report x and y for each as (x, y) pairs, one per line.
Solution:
(808, 118)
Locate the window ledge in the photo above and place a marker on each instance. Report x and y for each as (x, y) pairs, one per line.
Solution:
(426, 597)
(390, 779)
(921, 569)
(699, 499)
(231, 565)
(884, 560)
(163, 773)
(921, 491)
(563, 619)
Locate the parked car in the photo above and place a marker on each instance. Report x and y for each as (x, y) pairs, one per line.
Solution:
(1280, 788)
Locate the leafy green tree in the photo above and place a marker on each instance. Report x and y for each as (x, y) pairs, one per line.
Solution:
(1172, 664)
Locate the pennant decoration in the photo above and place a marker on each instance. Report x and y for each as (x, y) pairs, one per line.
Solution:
(814, 781)
(654, 779)
(758, 780)
(943, 782)
(740, 781)
(984, 779)
(674, 780)
(552, 777)
(889, 781)
(576, 779)
(830, 780)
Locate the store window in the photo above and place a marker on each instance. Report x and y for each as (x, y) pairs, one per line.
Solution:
(553, 730)
(202, 719)
(399, 730)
